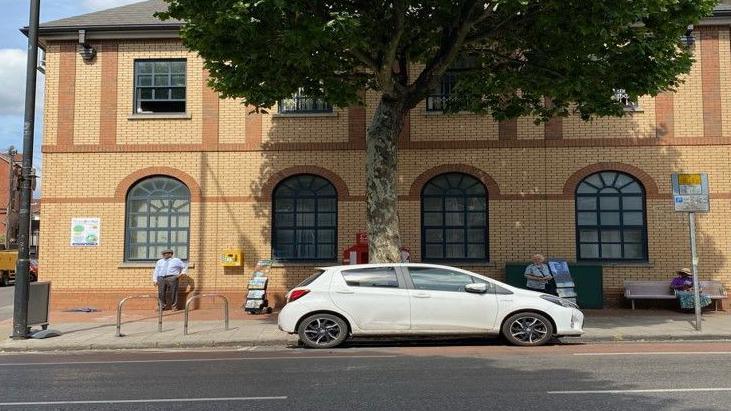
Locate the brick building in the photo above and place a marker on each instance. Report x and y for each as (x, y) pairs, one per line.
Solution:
(134, 137)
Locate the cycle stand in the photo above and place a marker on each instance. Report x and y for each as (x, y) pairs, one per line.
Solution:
(124, 300)
(194, 297)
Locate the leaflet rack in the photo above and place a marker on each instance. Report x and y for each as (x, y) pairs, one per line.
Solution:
(256, 297)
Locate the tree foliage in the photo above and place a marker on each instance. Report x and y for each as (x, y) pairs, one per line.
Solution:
(574, 52)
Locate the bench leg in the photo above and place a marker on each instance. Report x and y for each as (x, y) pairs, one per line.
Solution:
(716, 302)
(633, 304)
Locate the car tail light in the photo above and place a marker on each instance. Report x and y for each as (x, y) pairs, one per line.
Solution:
(295, 295)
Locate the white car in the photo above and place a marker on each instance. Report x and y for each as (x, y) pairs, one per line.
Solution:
(421, 299)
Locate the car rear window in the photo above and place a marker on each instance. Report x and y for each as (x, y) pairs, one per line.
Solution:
(309, 280)
(371, 277)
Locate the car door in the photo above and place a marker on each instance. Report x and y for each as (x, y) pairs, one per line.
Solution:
(440, 303)
(376, 298)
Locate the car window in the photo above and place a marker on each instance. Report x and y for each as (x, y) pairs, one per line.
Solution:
(439, 279)
(371, 277)
(309, 280)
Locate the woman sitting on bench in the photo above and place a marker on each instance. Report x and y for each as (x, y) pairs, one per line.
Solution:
(683, 286)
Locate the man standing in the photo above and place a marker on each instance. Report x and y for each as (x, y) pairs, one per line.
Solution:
(539, 276)
(165, 276)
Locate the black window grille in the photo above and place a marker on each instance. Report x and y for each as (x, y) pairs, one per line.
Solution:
(454, 218)
(301, 103)
(305, 219)
(160, 86)
(439, 96)
(610, 218)
(158, 217)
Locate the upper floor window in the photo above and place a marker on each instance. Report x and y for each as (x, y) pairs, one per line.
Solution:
(301, 103)
(454, 218)
(610, 218)
(160, 86)
(305, 220)
(439, 96)
(629, 102)
(158, 217)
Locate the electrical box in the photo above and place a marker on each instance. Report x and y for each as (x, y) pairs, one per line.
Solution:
(232, 257)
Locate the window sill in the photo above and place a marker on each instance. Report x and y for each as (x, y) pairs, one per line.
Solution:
(428, 113)
(641, 264)
(144, 264)
(305, 263)
(456, 263)
(305, 115)
(160, 116)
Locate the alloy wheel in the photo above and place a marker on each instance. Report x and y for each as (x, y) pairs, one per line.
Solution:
(322, 331)
(528, 329)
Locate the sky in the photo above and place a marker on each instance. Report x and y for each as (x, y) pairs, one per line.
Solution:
(13, 47)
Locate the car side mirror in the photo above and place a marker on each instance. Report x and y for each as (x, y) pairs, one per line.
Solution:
(477, 288)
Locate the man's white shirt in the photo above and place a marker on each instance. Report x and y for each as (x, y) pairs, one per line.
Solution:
(171, 266)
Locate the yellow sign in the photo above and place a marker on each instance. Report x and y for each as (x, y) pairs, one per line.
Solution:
(232, 258)
(689, 179)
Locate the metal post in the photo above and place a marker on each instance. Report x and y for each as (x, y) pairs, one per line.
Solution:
(694, 268)
(22, 274)
(11, 183)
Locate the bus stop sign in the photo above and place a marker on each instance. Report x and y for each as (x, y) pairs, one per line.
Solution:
(690, 192)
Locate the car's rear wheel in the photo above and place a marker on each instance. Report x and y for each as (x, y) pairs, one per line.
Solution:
(4, 279)
(528, 329)
(323, 331)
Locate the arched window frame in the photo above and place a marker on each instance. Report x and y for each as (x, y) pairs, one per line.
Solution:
(178, 220)
(627, 207)
(467, 215)
(321, 196)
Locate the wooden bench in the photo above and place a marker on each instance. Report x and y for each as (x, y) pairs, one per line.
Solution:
(660, 290)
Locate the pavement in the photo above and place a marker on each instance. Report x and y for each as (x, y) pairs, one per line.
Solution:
(97, 330)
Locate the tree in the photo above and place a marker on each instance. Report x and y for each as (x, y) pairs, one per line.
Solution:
(521, 57)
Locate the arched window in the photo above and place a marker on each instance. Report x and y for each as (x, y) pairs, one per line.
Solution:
(454, 218)
(610, 218)
(158, 217)
(305, 220)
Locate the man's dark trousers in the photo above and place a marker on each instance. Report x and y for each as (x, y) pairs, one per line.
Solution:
(167, 285)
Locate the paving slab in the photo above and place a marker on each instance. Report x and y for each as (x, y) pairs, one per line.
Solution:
(96, 331)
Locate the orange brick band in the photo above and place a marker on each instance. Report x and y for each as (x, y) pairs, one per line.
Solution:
(66, 94)
(108, 112)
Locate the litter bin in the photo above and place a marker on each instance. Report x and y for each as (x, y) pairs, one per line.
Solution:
(587, 278)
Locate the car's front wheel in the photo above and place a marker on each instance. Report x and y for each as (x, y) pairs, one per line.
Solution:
(527, 329)
(323, 331)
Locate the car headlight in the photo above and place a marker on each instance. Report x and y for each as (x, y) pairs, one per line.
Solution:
(559, 301)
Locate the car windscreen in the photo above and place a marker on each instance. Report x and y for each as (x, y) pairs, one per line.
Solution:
(309, 280)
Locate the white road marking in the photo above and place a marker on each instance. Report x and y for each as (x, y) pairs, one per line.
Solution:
(659, 390)
(312, 357)
(153, 400)
(604, 354)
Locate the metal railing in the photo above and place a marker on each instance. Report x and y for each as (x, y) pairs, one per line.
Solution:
(193, 297)
(124, 300)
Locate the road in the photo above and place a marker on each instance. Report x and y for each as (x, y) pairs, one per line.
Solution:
(393, 376)
(6, 302)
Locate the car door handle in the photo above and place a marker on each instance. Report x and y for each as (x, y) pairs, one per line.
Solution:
(422, 295)
(343, 291)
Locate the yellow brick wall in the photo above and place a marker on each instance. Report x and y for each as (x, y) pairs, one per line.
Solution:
(232, 121)
(689, 99)
(87, 104)
(84, 184)
(50, 94)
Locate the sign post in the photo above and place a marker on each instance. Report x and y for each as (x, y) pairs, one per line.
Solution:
(690, 194)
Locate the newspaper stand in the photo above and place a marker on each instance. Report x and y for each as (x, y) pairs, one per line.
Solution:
(256, 297)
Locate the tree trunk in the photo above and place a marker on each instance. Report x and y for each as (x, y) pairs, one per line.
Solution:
(381, 196)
